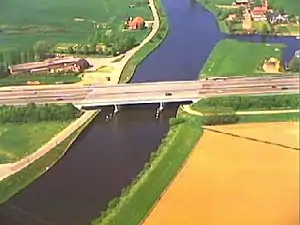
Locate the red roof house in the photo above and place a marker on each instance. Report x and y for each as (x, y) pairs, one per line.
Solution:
(136, 23)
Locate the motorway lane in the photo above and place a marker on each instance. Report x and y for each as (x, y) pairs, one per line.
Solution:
(109, 92)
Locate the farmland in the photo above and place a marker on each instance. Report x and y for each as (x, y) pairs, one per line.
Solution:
(63, 21)
(221, 63)
(258, 180)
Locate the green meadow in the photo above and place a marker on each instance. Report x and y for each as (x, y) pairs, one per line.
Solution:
(235, 58)
(22, 23)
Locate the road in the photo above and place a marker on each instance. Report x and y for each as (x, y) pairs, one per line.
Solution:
(147, 92)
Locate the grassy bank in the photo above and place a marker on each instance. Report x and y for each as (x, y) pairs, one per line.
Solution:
(137, 58)
(20, 140)
(24, 79)
(137, 200)
(235, 58)
(211, 6)
(15, 183)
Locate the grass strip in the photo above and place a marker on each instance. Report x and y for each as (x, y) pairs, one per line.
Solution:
(139, 198)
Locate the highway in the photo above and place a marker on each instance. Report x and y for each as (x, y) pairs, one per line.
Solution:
(147, 92)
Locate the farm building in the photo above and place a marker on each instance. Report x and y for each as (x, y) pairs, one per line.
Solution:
(51, 65)
(135, 23)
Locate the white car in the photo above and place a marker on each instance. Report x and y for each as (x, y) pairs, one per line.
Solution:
(220, 91)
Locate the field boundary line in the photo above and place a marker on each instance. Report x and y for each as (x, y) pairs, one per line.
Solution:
(249, 138)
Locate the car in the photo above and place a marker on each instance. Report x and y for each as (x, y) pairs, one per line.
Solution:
(59, 99)
(168, 94)
(273, 86)
(33, 92)
(220, 91)
(284, 88)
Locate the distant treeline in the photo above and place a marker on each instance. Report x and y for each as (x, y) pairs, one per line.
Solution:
(245, 103)
(38, 113)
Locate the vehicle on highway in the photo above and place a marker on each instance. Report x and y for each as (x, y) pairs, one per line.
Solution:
(33, 92)
(59, 99)
(273, 86)
(220, 91)
(218, 78)
(168, 94)
(284, 88)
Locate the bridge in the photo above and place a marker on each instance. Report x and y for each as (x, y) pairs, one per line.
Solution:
(183, 91)
(154, 92)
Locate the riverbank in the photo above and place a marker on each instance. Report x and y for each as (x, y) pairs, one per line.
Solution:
(137, 199)
(155, 38)
(16, 176)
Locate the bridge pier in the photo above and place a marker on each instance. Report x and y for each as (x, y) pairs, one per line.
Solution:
(159, 109)
(116, 109)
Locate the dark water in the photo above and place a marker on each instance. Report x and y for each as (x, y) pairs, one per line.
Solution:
(108, 155)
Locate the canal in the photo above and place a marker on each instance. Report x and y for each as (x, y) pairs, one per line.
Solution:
(108, 154)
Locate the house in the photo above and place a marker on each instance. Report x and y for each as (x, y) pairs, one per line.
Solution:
(135, 23)
(50, 65)
(297, 53)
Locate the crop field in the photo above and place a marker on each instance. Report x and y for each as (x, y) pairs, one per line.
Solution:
(22, 23)
(19, 140)
(233, 58)
(230, 180)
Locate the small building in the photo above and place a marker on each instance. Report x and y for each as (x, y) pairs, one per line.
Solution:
(259, 13)
(135, 23)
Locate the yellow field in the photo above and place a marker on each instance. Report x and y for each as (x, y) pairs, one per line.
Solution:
(235, 181)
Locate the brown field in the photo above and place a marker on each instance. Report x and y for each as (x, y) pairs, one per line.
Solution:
(235, 181)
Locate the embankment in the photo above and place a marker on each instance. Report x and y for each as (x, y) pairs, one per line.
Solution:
(20, 174)
(137, 200)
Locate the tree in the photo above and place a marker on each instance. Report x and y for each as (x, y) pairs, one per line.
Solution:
(41, 48)
(294, 64)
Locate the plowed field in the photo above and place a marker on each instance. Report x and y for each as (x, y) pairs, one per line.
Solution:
(234, 181)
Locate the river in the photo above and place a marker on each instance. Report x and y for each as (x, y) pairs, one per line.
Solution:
(108, 155)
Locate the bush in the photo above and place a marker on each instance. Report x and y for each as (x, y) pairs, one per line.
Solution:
(219, 115)
(38, 113)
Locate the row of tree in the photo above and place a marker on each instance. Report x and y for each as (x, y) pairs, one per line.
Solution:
(243, 103)
(32, 113)
(103, 43)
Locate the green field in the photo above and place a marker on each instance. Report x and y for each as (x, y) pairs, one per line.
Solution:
(19, 140)
(137, 200)
(56, 22)
(235, 58)
(289, 6)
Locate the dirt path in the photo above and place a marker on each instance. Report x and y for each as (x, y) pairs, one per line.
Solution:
(188, 109)
(9, 169)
